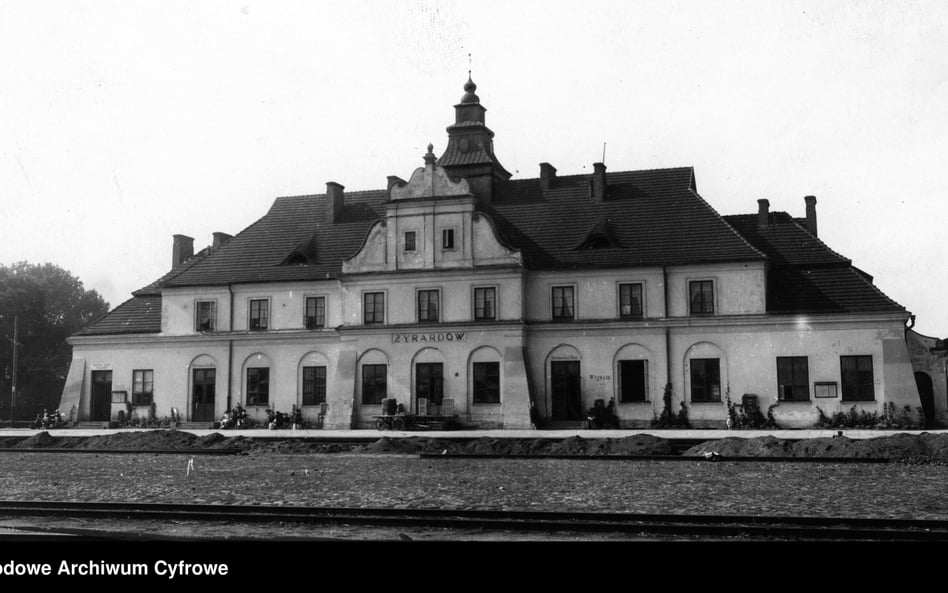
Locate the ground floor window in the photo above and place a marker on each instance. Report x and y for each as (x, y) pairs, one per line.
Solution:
(374, 388)
(429, 382)
(486, 382)
(632, 382)
(143, 387)
(857, 380)
(314, 385)
(258, 386)
(705, 380)
(793, 378)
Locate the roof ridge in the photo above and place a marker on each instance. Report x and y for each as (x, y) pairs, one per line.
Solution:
(820, 241)
(877, 289)
(722, 219)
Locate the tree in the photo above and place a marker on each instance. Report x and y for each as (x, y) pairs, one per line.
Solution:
(48, 304)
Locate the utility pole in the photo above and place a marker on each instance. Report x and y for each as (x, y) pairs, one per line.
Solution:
(16, 320)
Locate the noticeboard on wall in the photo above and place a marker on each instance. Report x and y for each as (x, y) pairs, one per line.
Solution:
(825, 389)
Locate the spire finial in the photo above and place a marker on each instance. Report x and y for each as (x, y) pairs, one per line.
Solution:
(430, 157)
(469, 86)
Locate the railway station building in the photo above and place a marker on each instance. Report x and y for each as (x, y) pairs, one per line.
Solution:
(508, 302)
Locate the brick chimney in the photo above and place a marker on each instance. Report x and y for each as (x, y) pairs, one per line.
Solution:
(219, 240)
(547, 175)
(811, 214)
(763, 212)
(599, 182)
(182, 250)
(335, 202)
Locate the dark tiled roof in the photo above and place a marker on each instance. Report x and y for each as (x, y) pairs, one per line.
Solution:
(824, 290)
(655, 216)
(805, 275)
(784, 240)
(138, 315)
(258, 253)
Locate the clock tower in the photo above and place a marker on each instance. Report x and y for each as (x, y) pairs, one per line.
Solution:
(470, 150)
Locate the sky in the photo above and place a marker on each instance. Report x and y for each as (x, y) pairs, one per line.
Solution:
(125, 122)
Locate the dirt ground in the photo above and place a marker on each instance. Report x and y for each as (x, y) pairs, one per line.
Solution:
(922, 448)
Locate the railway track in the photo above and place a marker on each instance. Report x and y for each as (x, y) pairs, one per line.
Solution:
(554, 524)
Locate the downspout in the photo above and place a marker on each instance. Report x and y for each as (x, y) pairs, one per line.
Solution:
(230, 345)
(667, 329)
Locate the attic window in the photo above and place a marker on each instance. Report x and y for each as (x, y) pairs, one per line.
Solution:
(296, 259)
(599, 237)
(597, 242)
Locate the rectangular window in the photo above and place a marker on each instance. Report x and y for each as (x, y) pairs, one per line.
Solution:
(373, 307)
(259, 314)
(205, 316)
(314, 385)
(630, 300)
(485, 303)
(258, 386)
(486, 382)
(447, 238)
(427, 306)
(632, 382)
(793, 379)
(857, 378)
(373, 383)
(702, 297)
(410, 241)
(563, 305)
(705, 380)
(143, 387)
(315, 312)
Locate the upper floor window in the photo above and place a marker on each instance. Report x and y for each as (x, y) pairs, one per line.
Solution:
(143, 382)
(705, 380)
(373, 307)
(563, 302)
(447, 238)
(259, 313)
(485, 303)
(205, 319)
(793, 378)
(857, 383)
(701, 297)
(314, 385)
(315, 312)
(630, 300)
(428, 305)
(410, 241)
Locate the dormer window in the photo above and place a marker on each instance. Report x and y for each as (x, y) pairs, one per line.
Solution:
(600, 236)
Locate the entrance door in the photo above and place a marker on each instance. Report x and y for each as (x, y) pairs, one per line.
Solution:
(926, 393)
(565, 390)
(429, 383)
(101, 410)
(202, 395)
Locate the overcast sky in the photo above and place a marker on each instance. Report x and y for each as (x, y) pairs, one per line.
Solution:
(123, 123)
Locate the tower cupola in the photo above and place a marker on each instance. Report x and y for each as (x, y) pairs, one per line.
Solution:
(470, 150)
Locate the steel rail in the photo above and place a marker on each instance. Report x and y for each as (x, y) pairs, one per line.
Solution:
(779, 527)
